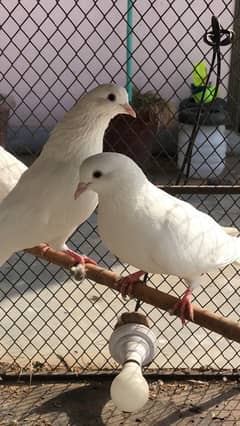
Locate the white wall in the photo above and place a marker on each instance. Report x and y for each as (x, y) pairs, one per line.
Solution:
(46, 61)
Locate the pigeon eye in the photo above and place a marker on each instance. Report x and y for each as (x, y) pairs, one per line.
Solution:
(97, 174)
(111, 97)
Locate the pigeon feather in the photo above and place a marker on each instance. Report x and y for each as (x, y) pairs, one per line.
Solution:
(40, 208)
(150, 229)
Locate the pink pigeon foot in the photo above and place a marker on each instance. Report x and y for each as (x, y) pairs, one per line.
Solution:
(80, 258)
(125, 285)
(185, 306)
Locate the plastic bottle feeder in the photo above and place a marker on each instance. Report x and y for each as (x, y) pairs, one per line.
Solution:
(209, 150)
(133, 345)
(210, 147)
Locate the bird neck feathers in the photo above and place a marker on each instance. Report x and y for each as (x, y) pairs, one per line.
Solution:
(77, 136)
(128, 193)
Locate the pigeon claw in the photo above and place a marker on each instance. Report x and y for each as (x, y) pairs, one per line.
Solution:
(80, 258)
(184, 305)
(87, 259)
(125, 285)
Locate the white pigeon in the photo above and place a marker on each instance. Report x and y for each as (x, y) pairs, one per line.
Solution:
(11, 170)
(152, 230)
(40, 208)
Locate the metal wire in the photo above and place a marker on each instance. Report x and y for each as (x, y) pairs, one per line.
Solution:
(51, 53)
(138, 303)
(214, 39)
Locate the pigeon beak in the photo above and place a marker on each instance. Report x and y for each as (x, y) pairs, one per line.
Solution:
(82, 187)
(129, 110)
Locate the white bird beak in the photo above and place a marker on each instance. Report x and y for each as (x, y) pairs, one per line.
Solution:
(82, 186)
(129, 110)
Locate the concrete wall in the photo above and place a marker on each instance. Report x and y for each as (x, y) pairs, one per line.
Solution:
(51, 52)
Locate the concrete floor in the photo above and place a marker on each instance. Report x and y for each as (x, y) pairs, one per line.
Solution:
(88, 403)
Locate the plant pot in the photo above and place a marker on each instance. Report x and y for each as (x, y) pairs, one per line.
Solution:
(6, 103)
(132, 137)
(166, 142)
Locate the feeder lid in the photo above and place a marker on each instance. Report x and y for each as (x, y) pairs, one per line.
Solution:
(138, 334)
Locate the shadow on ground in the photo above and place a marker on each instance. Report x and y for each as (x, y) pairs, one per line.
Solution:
(87, 404)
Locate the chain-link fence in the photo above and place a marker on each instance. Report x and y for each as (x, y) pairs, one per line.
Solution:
(51, 53)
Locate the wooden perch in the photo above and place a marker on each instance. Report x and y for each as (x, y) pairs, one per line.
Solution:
(227, 328)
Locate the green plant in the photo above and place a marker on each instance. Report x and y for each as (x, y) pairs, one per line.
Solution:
(153, 109)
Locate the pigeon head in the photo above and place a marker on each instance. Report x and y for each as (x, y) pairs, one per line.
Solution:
(108, 100)
(107, 172)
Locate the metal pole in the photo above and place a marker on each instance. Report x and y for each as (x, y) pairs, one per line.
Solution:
(227, 328)
(129, 48)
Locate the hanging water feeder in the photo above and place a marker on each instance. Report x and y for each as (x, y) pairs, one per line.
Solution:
(133, 345)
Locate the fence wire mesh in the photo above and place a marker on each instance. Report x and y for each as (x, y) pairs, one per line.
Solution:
(51, 53)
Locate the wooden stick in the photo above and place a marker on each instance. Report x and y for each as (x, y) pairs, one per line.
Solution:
(227, 328)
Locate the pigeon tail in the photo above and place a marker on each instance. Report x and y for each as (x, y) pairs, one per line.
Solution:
(233, 232)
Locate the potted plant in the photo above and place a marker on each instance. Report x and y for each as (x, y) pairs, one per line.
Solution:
(135, 137)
